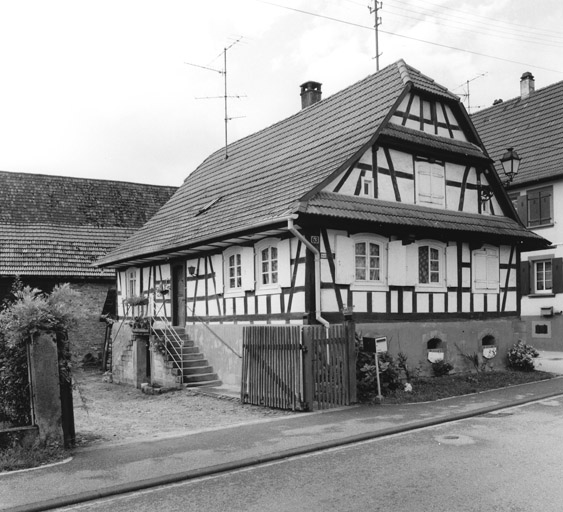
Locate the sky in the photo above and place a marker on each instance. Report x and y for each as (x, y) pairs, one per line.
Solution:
(132, 90)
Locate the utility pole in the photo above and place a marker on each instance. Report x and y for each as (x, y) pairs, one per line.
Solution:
(375, 10)
(224, 96)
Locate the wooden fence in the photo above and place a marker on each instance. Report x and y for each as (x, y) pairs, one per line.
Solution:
(298, 367)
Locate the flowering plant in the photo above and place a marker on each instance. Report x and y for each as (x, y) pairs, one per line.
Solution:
(163, 288)
(137, 300)
(158, 345)
(521, 356)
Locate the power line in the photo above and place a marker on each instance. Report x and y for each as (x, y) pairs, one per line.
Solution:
(408, 37)
(467, 13)
(476, 26)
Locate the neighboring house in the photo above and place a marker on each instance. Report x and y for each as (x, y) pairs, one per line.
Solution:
(53, 228)
(380, 198)
(533, 125)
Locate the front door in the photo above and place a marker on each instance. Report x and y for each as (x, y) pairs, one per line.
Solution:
(179, 294)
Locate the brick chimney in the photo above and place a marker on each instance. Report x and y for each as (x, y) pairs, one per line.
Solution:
(527, 85)
(310, 93)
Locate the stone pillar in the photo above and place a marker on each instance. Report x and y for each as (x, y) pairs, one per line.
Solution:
(140, 340)
(46, 397)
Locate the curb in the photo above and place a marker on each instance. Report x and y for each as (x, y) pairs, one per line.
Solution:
(252, 461)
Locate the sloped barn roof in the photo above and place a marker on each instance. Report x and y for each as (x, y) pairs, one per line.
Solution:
(59, 226)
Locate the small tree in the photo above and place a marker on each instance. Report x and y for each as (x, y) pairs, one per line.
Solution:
(30, 313)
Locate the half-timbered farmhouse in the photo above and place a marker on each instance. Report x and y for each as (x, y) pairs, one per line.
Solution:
(379, 201)
(53, 229)
(532, 124)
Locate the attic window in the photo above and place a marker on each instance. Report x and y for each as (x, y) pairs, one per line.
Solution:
(208, 205)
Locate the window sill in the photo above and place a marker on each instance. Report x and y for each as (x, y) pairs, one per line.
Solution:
(541, 226)
(231, 294)
(540, 295)
(272, 290)
(424, 288)
(369, 287)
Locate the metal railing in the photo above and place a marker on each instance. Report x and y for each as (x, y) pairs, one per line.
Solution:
(170, 339)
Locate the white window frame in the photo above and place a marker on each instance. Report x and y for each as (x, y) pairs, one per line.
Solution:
(366, 284)
(246, 255)
(439, 286)
(366, 184)
(430, 183)
(489, 281)
(132, 283)
(535, 263)
(283, 248)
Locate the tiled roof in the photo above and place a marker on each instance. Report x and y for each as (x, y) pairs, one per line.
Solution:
(268, 172)
(533, 126)
(419, 217)
(59, 226)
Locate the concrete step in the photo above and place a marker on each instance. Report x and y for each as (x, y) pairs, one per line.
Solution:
(211, 383)
(198, 370)
(190, 363)
(203, 377)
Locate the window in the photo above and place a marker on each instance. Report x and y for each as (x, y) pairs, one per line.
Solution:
(431, 266)
(485, 270)
(273, 265)
(237, 274)
(367, 187)
(543, 280)
(234, 268)
(430, 183)
(368, 261)
(269, 265)
(132, 289)
(361, 261)
(428, 265)
(539, 206)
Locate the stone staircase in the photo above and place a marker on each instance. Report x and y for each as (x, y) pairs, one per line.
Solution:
(186, 362)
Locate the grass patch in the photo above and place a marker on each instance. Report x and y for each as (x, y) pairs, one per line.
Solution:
(428, 389)
(17, 457)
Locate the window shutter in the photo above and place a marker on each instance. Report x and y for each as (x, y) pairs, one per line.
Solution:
(493, 269)
(480, 270)
(545, 206)
(412, 264)
(424, 186)
(525, 278)
(534, 217)
(345, 260)
(284, 263)
(397, 263)
(557, 266)
(522, 208)
(247, 267)
(217, 262)
(451, 265)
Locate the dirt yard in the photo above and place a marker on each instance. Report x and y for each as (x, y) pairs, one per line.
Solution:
(117, 413)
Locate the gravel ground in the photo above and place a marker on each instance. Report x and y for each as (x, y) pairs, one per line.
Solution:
(112, 412)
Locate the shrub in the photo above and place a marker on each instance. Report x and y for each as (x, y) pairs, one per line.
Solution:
(441, 368)
(29, 314)
(521, 357)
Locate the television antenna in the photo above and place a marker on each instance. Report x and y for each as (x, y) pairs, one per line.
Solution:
(466, 94)
(225, 96)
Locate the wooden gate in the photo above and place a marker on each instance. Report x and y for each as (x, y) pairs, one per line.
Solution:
(298, 367)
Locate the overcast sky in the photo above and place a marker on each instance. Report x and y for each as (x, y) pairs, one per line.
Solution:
(101, 89)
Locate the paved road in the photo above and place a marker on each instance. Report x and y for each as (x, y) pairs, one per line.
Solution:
(507, 460)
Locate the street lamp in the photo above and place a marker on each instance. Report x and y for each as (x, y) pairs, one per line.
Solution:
(510, 163)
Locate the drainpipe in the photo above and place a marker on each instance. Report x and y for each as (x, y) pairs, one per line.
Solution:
(317, 254)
